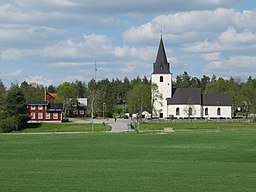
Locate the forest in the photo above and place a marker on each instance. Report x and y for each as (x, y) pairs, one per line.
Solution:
(118, 96)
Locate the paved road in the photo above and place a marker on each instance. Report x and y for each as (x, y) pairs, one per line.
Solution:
(120, 125)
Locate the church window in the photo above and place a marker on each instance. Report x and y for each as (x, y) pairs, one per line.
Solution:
(218, 111)
(206, 111)
(161, 79)
(177, 111)
(190, 111)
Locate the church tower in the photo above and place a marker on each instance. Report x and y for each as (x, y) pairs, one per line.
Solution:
(162, 77)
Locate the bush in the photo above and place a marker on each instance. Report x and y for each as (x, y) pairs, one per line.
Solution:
(9, 124)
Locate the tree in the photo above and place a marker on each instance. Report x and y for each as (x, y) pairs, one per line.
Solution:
(106, 98)
(2, 95)
(183, 80)
(92, 96)
(32, 91)
(190, 110)
(204, 81)
(67, 94)
(140, 99)
(156, 96)
(248, 93)
(81, 88)
(15, 113)
(51, 89)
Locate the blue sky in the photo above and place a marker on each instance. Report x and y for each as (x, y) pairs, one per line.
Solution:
(54, 41)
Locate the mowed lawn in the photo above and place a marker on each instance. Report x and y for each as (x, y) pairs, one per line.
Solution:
(181, 161)
(65, 127)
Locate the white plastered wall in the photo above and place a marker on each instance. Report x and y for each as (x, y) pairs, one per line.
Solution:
(183, 109)
(225, 112)
(165, 89)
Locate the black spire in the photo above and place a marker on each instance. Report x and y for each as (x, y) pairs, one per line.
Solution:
(161, 66)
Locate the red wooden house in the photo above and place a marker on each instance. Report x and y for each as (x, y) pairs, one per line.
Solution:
(43, 111)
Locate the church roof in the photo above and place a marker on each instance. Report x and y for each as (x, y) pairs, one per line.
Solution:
(184, 96)
(193, 96)
(161, 66)
(216, 100)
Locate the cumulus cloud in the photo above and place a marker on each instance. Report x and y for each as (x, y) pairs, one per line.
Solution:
(235, 65)
(69, 35)
(211, 56)
(40, 80)
(195, 26)
(12, 75)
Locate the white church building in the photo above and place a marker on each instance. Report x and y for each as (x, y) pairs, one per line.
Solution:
(184, 102)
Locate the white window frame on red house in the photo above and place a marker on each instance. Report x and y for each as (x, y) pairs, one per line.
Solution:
(33, 115)
(55, 116)
(33, 107)
(48, 115)
(40, 107)
(40, 115)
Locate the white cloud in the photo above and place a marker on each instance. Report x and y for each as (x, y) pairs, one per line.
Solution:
(12, 75)
(11, 54)
(235, 65)
(232, 36)
(40, 80)
(211, 56)
(66, 65)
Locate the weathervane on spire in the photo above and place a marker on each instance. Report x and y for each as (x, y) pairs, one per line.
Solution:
(161, 32)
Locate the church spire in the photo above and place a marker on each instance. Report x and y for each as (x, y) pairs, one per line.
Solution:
(161, 66)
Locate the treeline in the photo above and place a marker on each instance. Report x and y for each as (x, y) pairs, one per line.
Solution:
(118, 96)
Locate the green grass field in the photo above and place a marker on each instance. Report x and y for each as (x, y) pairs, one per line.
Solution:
(181, 161)
(65, 127)
(203, 126)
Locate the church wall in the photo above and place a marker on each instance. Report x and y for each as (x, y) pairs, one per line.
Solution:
(183, 111)
(225, 112)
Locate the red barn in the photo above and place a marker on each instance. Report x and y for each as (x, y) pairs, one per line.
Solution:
(43, 111)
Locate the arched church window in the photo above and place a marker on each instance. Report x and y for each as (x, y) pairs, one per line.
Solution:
(206, 111)
(177, 111)
(190, 111)
(161, 79)
(218, 111)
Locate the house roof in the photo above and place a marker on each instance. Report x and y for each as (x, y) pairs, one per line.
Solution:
(82, 102)
(53, 95)
(216, 100)
(55, 107)
(185, 96)
(50, 106)
(38, 103)
(161, 66)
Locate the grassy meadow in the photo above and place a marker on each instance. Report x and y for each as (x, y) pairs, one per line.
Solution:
(199, 126)
(65, 127)
(180, 161)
